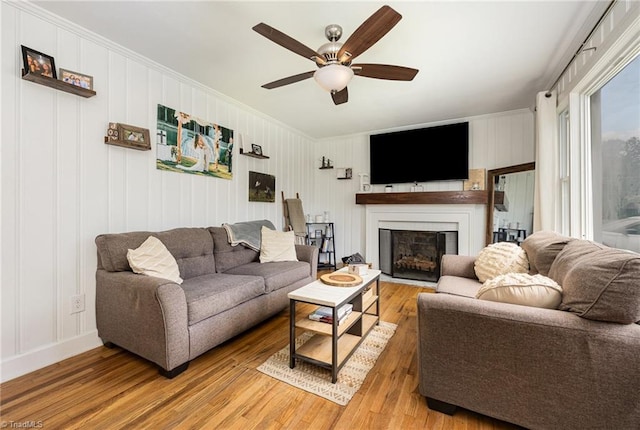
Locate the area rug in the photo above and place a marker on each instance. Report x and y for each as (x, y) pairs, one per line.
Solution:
(317, 380)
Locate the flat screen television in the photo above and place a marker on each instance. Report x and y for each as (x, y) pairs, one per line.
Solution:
(438, 153)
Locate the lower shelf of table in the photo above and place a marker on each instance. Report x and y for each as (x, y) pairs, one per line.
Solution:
(327, 329)
(319, 346)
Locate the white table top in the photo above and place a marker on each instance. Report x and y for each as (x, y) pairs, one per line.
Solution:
(327, 295)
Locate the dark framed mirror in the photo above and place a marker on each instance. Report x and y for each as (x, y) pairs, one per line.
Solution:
(510, 208)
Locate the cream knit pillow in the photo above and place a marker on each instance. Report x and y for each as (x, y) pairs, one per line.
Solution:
(500, 258)
(522, 289)
(152, 258)
(277, 246)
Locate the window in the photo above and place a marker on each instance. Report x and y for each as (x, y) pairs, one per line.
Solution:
(615, 159)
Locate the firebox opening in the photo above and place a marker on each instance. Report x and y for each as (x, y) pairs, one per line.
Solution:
(415, 255)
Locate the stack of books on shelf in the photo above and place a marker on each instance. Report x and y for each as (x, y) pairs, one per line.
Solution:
(325, 314)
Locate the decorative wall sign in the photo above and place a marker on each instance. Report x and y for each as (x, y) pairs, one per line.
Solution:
(37, 63)
(187, 144)
(112, 131)
(262, 187)
(476, 180)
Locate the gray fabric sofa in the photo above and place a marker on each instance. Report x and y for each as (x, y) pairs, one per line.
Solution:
(565, 368)
(226, 290)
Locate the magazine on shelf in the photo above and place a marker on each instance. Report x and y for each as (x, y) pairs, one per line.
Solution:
(325, 313)
(328, 320)
(328, 311)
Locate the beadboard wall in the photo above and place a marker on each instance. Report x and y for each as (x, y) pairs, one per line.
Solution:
(62, 186)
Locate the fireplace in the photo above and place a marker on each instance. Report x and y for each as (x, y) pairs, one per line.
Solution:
(410, 254)
(468, 220)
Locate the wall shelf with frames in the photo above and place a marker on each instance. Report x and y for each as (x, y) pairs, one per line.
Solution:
(252, 154)
(58, 84)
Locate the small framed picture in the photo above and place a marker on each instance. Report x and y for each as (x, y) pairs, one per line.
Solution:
(134, 137)
(37, 63)
(77, 79)
(256, 149)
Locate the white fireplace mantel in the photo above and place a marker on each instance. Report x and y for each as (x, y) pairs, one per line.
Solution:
(467, 219)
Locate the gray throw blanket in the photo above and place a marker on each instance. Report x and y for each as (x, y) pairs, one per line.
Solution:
(247, 233)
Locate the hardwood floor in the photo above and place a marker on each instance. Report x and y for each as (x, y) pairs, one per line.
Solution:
(112, 389)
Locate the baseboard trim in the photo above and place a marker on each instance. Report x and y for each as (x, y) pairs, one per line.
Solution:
(19, 365)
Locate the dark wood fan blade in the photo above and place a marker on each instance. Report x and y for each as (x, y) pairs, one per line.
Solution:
(285, 41)
(340, 96)
(288, 80)
(384, 71)
(369, 32)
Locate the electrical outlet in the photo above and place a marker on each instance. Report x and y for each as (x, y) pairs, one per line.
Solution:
(77, 303)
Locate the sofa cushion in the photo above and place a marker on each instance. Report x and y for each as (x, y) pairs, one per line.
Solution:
(276, 275)
(153, 259)
(277, 246)
(191, 247)
(458, 286)
(542, 247)
(566, 260)
(598, 282)
(228, 256)
(500, 258)
(522, 289)
(209, 295)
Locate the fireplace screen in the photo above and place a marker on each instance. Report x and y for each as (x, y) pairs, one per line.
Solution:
(415, 254)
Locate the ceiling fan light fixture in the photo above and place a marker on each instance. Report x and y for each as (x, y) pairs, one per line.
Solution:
(333, 77)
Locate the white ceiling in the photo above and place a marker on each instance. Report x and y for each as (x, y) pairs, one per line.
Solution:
(474, 57)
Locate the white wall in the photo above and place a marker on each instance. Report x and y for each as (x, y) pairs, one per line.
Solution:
(62, 186)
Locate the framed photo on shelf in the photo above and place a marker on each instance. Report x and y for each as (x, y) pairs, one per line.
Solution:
(37, 63)
(256, 149)
(135, 137)
(77, 79)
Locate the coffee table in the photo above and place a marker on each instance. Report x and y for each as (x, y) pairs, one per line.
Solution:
(332, 344)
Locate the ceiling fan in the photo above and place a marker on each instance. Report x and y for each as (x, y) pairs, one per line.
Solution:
(334, 58)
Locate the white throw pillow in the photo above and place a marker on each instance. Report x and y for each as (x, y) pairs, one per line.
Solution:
(277, 246)
(500, 258)
(522, 289)
(152, 258)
